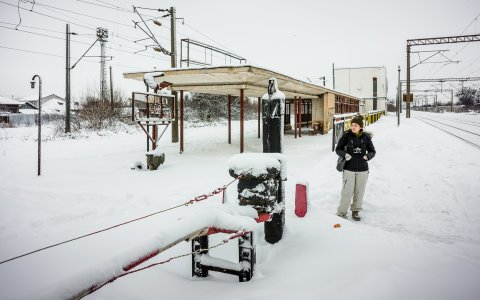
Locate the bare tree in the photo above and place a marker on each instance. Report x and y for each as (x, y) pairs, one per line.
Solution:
(95, 113)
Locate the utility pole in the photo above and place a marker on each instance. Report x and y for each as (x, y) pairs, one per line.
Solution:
(451, 97)
(173, 56)
(111, 88)
(67, 83)
(102, 35)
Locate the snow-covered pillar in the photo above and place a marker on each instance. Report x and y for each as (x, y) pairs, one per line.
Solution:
(241, 120)
(273, 115)
(273, 126)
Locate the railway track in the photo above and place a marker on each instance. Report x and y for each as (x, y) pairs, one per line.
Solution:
(435, 123)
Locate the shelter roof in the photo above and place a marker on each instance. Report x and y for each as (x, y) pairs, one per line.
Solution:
(228, 80)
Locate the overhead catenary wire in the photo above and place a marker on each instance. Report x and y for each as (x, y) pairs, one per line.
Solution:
(52, 17)
(47, 29)
(62, 56)
(99, 5)
(90, 26)
(463, 31)
(85, 43)
(126, 38)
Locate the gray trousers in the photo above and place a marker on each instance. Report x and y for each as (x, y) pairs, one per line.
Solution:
(354, 184)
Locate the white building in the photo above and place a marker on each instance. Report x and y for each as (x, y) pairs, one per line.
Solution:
(367, 83)
(51, 104)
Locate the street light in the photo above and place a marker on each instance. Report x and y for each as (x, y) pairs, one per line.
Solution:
(399, 97)
(32, 85)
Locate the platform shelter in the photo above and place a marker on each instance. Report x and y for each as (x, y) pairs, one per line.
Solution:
(308, 106)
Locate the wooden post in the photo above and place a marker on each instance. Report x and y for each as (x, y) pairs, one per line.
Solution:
(229, 119)
(154, 137)
(241, 120)
(181, 122)
(258, 111)
(299, 116)
(295, 115)
(133, 106)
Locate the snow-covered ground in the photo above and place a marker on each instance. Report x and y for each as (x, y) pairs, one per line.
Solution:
(419, 237)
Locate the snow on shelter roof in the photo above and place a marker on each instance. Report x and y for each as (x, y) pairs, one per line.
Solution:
(229, 80)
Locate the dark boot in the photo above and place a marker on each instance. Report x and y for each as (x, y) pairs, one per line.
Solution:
(356, 216)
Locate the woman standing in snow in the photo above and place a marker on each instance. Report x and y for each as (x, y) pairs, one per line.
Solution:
(357, 148)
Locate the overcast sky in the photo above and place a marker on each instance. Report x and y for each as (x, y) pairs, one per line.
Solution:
(300, 38)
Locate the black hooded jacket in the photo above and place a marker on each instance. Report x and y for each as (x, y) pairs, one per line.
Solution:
(357, 147)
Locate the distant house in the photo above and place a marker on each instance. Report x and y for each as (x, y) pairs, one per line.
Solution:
(366, 83)
(51, 104)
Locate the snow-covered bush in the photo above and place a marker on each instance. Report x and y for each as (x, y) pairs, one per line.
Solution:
(209, 107)
(96, 113)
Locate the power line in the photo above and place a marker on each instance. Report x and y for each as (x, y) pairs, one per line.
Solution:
(110, 7)
(45, 29)
(84, 43)
(123, 37)
(463, 31)
(208, 37)
(473, 21)
(62, 56)
(47, 15)
(81, 14)
(127, 38)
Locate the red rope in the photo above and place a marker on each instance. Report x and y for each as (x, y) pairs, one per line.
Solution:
(192, 201)
(96, 287)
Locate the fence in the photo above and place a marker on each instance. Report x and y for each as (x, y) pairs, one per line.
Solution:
(16, 120)
(342, 122)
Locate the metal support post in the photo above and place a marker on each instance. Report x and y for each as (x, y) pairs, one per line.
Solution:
(407, 113)
(67, 83)
(199, 247)
(246, 256)
(173, 57)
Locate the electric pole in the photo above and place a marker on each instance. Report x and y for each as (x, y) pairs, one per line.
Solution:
(67, 83)
(102, 35)
(111, 89)
(407, 113)
(451, 96)
(173, 56)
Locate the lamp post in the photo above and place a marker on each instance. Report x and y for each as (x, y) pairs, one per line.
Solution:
(399, 98)
(32, 84)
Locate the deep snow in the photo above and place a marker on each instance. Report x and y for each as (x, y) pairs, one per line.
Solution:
(419, 237)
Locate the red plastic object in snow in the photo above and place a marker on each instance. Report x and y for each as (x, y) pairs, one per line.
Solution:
(301, 200)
